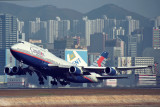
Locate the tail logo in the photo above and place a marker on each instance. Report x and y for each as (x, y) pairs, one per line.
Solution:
(100, 61)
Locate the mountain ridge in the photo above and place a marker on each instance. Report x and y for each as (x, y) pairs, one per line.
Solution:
(114, 11)
(44, 12)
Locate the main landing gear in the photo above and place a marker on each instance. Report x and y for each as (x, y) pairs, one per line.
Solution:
(54, 82)
(41, 82)
(40, 78)
(63, 82)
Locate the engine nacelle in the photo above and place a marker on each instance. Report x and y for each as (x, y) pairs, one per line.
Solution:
(15, 70)
(11, 71)
(110, 71)
(75, 70)
(7, 70)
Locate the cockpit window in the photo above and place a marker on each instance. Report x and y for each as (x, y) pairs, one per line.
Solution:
(20, 42)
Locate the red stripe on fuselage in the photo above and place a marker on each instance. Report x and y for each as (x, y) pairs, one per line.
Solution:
(100, 61)
(31, 56)
(87, 78)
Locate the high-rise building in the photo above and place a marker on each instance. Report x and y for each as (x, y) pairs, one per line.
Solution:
(8, 30)
(115, 32)
(143, 61)
(131, 25)
(87, 32)
(78, 28)
(52, 30)
(132, 46)
(8, 36)
(91, 27)
(156, 37)
(123, 62)
(63, 27)
(136, 61)
(109, 24)
(20, 31)
(38, 30)
(115, 48)
(20, 26)
(157, 22)
(64, 43)
(97, 44)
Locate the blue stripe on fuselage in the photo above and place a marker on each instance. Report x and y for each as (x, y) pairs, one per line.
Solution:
(29, 59)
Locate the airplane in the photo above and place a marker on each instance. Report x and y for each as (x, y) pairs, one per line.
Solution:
(44, 63)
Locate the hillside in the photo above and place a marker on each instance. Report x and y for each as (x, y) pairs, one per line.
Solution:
(113, 11)
(47, 12)
(44, 12)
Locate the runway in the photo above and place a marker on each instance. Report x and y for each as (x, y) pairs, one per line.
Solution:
(79, 97)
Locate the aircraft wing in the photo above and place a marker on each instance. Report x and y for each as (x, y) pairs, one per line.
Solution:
(101, 70)
(94, 69)
(88, 68)
(131, 68)
(112, 77)
(59, 66)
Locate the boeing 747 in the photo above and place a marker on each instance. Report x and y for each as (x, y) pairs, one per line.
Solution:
(44, 64)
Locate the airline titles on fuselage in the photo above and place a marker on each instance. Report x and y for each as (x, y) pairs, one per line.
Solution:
(36, 51)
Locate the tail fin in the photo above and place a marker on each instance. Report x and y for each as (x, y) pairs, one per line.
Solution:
(101, 60)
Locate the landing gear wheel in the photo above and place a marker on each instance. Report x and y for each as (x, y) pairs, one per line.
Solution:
(64, 83)
(53, 82)
(41, 83)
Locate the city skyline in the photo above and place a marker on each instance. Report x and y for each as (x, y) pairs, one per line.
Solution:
(122, 52)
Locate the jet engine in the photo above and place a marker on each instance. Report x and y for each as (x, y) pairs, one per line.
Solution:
(75, 70)
(7, 70)
(11, 70)
(110, 71)
(15, 70)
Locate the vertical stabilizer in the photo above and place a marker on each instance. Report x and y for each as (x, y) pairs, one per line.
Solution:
(101, 60)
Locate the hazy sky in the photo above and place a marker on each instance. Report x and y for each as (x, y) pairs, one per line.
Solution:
(146, 8)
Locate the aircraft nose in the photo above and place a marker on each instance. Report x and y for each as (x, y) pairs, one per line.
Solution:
(13, 51)
(13, 47)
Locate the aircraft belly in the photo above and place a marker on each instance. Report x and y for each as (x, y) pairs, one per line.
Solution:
(80, 79)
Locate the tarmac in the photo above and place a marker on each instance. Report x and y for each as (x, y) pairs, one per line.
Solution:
(79, 97)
